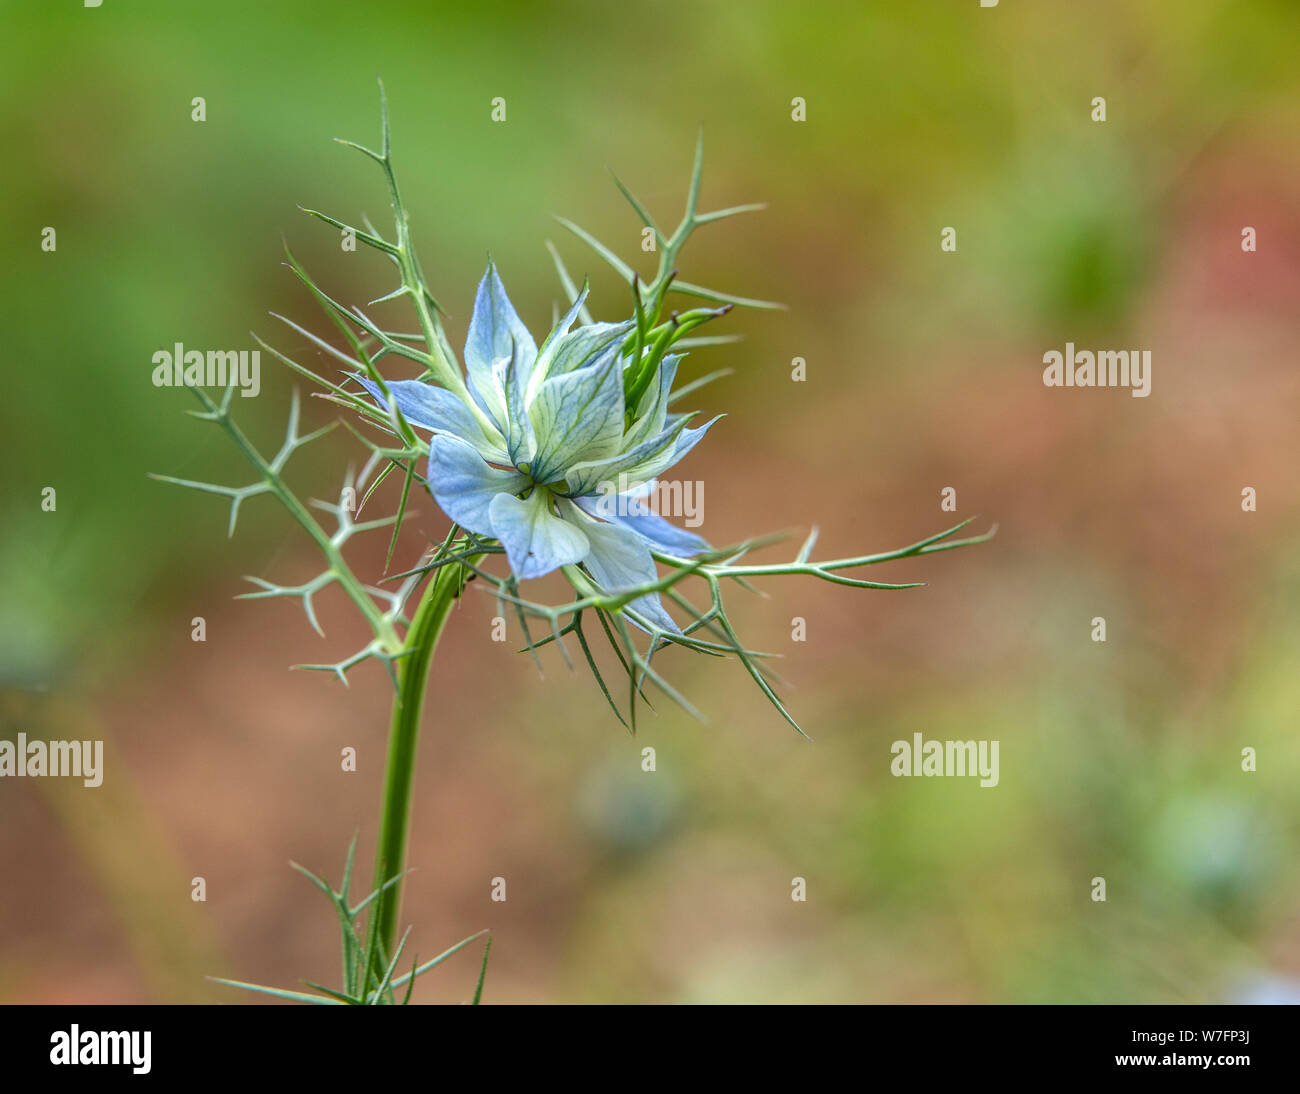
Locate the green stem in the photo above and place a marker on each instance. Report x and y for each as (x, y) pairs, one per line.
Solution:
(435, 606)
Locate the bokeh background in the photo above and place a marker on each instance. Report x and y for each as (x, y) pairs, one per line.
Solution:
(1120, 760)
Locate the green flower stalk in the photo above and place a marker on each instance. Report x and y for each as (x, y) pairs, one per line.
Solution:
(430, 617)
(544, 455)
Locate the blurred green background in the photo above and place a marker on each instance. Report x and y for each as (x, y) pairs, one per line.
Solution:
(1119, 760)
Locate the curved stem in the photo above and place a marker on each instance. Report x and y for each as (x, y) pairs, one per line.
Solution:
(435, 605)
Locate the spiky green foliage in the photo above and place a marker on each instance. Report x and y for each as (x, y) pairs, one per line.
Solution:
(713, 570)
(369, 971)
(404, 646)
(381, 608)
(657, 330)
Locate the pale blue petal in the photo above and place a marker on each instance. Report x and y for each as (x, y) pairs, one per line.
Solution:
(509, 379)
(547, 350)
(601, 476)
(436, 409)
(570, 317)
(496, 333)
(643, 462)
(634, 514)
(578, 416)
(535, 539)
(689, 438)
(464, 486)
(620, 560)
(569, 352)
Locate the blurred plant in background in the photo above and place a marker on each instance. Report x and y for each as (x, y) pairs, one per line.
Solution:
(923, 372)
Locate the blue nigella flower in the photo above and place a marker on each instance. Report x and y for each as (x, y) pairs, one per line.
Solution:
(545, 456)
